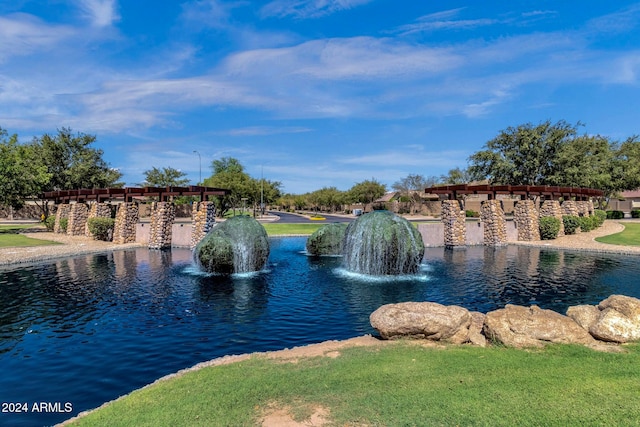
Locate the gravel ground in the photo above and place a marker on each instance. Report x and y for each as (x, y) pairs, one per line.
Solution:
(76, 245)
(586, 242)
(72, 245)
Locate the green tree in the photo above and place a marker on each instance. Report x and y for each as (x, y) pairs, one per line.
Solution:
(327, 199)
(165, 177)
(270, 191)
(626, 167)
(367, 191)
(525, 155)
(73, 163)
(456, 176)
(411, 187)
(584, 161)
(21, 176)
(228, 165)
(229, 173)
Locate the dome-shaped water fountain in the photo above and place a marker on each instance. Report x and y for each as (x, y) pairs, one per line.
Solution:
(381, 243)
(237, 245)
(327, 240)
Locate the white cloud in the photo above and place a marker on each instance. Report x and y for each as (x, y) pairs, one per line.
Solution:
(461, 24)
(626, 70)
(304, 9)
(101, 13)
(408, 156)
(22, 35)
(350, 58)
(209, 13)
(265, 130)
(622, 21)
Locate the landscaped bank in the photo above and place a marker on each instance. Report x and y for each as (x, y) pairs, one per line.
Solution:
(394, 383)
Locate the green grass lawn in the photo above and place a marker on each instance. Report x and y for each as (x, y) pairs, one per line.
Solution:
(400, 385)
(630, 236)
(10, 238)
(275, 228)
(15, 240)
(14, 228)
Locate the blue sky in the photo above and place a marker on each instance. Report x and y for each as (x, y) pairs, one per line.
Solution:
(314, 93)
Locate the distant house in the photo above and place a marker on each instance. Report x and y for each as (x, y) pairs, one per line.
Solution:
(416, 195)
(418, 202)
(628, 201)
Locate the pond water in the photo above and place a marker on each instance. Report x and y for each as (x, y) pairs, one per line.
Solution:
(80, 331)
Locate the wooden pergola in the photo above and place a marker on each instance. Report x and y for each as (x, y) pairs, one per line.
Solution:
(129, 194)
(524, 191)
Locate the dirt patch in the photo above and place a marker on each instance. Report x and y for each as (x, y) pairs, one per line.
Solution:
(276, 416)
(324, 349)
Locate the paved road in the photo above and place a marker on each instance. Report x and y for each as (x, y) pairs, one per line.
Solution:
(289, 218)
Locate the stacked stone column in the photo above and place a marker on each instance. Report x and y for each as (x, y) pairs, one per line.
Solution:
(124, 229)
(97, 210)
(455, 227)
(495, 224)
(163, 215)
(527, 221)
(61, 213)
(583, 207)
(77, 219)
(569, 207)
(204, 218)
(552, 208)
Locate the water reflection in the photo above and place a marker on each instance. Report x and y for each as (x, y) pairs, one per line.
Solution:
(484, 278)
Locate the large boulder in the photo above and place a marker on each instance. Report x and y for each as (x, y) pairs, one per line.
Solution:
(618, 321)
(428, 320)
(237, 245)
(327, 240)
(584, 315)
(476, 335)
(521, 327)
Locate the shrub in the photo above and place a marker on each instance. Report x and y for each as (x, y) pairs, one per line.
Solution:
(63, 224)
(571, 223)
(50, 222)
(615, 214)
(587, 223)
(101, 228)
(635, 213)
(549, 227)
(472, 214)
(598, 217)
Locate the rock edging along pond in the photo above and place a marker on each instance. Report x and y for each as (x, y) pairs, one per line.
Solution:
(615, 320)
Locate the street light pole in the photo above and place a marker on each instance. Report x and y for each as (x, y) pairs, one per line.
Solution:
(261, 190)
(200, 163)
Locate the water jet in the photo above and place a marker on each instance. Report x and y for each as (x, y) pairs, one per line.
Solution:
(381, 243)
